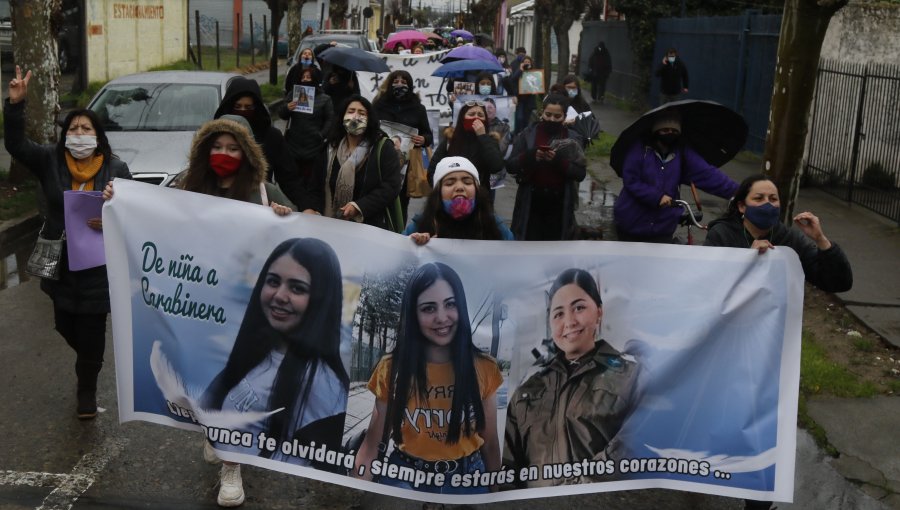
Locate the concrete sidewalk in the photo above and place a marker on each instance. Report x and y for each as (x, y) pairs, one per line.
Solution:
(864, 431)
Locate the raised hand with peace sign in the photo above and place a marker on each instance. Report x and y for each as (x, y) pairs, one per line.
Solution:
(18, 86)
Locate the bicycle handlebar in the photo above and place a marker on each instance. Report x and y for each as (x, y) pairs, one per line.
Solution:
(690, 213)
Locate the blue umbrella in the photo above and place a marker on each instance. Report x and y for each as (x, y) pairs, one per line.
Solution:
(354, 59)
(458, 69)
(468, 53)
(465, 34)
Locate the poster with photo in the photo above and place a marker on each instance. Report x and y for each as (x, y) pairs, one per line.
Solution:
(401, 135)
(678, 366)
(464, 88)
(532, 82)
(305, 97)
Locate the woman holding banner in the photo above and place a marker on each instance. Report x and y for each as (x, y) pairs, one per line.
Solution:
(571, 410)
(547, 161)
(458, 207)
(470, 139)
(752, 221)
(436, 376)
(81, 160)
(225, 161)
(397, 101)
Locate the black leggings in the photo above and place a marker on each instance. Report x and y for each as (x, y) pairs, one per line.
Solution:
(84, 332)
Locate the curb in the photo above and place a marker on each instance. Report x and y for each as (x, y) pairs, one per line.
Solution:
(16, 229)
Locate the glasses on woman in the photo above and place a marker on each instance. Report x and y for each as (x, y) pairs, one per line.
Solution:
(474, 103)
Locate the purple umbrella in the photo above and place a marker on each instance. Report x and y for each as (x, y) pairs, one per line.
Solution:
(465, 34)
(469, 53)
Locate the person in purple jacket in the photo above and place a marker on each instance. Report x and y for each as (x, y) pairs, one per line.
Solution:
(653, 171)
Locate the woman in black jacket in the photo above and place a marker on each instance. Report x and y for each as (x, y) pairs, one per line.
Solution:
(752, 221)
(471, 140)
(361, 177)
(243, 97)
(81, 160)
(305, 133)
(397, 101)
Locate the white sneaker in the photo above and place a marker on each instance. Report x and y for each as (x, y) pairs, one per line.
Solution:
(231, 488)
(209, 454)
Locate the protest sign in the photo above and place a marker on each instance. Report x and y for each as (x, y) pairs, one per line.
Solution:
(305, 97)
(400, 135)
(667, 366)
(429, 88)
(464, 88)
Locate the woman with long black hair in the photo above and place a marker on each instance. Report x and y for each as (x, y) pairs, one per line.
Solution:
(436, 392)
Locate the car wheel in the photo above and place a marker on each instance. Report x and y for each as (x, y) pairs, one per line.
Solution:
(64, 58)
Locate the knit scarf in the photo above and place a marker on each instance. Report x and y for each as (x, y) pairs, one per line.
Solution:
(346, 178)
(83, 173)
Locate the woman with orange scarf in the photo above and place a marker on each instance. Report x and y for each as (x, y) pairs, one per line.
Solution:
(81, 160)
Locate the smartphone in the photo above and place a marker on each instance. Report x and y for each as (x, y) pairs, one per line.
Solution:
(544, 147)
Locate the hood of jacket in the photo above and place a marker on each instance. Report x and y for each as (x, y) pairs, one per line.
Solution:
(239, 87)
(252, 150)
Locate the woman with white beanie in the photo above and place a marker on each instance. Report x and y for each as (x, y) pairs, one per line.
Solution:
(458, 207)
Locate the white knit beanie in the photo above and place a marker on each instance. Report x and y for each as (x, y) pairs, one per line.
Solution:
(454, 164)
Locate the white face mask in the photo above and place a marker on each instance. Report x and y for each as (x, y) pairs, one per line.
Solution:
(81, 146)
(671, 60)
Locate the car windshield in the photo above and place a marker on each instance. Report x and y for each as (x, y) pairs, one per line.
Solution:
(156, 107)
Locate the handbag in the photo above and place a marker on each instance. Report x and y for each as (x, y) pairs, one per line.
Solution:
(44, 260)
(416, 176)
(393, 213)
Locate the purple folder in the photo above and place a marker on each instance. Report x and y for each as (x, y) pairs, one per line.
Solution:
(84, 244)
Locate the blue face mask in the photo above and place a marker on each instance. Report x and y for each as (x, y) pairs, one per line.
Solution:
(306, 62)
(484, 90)
(763, 217)
(572, 92)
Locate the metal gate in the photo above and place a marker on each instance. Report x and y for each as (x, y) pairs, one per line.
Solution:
(854, 139)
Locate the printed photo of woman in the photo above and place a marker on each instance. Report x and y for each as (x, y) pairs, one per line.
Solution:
(436, 393)
(571, 409)
(287, 352)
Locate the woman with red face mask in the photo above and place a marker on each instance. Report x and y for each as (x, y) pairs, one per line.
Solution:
(471, 140)
(226, 162)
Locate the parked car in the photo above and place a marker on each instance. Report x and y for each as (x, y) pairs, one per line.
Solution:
(150, 118)
(352, 40)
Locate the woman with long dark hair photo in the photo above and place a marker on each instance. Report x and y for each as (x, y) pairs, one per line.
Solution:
(436, 393)
(287, 352)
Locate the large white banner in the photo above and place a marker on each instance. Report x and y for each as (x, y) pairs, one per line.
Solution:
(602, 366)
(430, 88)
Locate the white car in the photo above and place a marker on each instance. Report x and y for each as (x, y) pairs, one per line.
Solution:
(150, 118)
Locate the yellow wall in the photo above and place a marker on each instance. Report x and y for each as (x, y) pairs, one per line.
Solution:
(130, 36)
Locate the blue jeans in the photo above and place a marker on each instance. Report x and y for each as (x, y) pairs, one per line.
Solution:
(466, 465)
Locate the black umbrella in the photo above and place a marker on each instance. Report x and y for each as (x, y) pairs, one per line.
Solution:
(586, 125)
(714, 131)
(354, 59)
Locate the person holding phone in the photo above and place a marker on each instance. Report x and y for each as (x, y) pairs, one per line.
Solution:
(547, 161)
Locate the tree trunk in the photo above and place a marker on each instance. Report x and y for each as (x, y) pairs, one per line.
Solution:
(537, 47)
(803, 28)
(37, 54)
(294, 25)
(548, 57)
(277, 10)
(563, 50)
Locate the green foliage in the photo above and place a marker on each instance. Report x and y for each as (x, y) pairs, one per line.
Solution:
(877, 177)
(864, 344)
(18, 203)
(600, 147)
(272, 92)
(819, 375)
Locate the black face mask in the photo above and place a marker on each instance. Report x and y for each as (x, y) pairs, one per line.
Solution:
(526, 66)
(668, 139)
(551, 127)
(400, 91)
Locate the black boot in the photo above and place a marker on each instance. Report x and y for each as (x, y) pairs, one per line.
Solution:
(87, 372)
